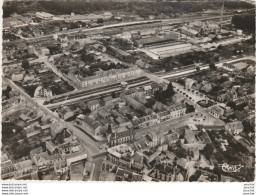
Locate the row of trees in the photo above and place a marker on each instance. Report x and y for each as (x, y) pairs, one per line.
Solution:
(161, 96)
(244, 22)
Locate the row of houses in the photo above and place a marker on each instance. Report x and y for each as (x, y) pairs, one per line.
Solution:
(105, 76)
(234, 128)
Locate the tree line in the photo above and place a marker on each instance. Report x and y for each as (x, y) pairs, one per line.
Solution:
(142, 8)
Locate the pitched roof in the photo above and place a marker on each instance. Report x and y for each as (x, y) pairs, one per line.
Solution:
(23, 164)
(218, 110)
(235, 125)
(92, 102)
(138, 157)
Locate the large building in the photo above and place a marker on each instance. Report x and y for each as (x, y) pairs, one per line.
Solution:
(121, 135)
(172, 112)
(44, 15)
(105, 76)
(188, 31)
(157, 40)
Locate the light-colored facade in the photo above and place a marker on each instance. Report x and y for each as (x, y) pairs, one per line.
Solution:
(105, 76)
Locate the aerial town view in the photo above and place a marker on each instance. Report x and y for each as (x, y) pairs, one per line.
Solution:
(124, 90)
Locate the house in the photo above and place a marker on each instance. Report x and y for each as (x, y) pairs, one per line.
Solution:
(162, 172)
(8, 170)
(50, 146)
(164, 115)
(120, 155)
(41, 160)
(109, 100)
(54, 158)
(24, 117)
(92, 125)
(205, 137)
(93, 105)
(137, 157)
(158, 106)
(36, 151)
(43, 92)
(18, 76)
(103, 113)
(23, 168)
(234, 128)
(176, 110)
(155, 87)
(153, 156)
(172, 138)
(126, 175)
(121, 135)
(33, 129)
(147, 89)
(76, 157)
(61, 166)
(217, 111)
(190, 83)
(45, 51)
(70, 147)
(239, 66)
(207, 87)
(191, 142)
(141, 145)
(137, 166)
(65, 113)
(10, 102)
(56, 128)
(151, 139)
(172, 112)
(222, 97)
(147, 121)
(135, 104)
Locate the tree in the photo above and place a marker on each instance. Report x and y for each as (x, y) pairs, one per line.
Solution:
(208, 150)
(232, 105)
(244, 22)
(113, 95)
(169, 92)
(150, 103)
(189, 108)
(109, 130)
(100, 20)
(212, 66)
(159, 96)
(25, 64)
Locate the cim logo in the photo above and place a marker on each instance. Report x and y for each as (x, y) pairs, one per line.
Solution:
(231, 168)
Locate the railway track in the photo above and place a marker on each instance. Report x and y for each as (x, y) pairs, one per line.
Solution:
(99, 92)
